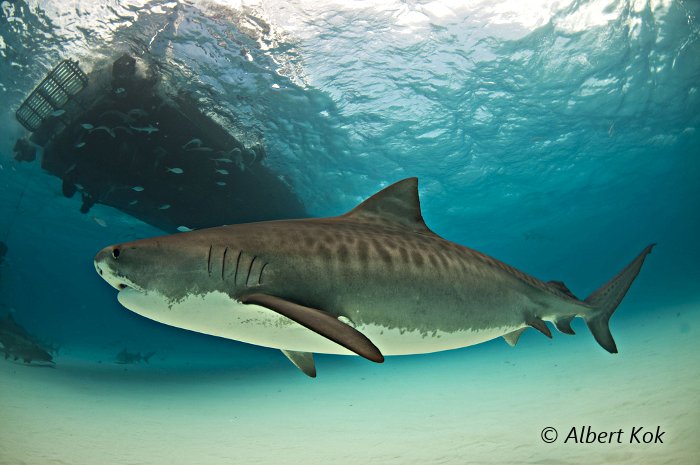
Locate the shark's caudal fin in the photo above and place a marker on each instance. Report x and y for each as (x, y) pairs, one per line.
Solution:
(606, 299)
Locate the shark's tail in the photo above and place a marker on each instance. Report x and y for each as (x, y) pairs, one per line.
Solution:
(606, 299)
(148, 356)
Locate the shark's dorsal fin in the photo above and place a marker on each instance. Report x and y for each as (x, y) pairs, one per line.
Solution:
(561, 287)
(396, 205)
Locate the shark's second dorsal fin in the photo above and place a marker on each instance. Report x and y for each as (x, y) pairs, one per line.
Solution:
(561, 287)
(396, 205)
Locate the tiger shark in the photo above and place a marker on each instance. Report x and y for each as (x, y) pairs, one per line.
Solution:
(373, 282)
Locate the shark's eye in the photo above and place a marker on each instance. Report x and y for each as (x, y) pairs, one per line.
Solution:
(115, 253)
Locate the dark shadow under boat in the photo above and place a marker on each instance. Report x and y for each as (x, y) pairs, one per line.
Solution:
(117, 137)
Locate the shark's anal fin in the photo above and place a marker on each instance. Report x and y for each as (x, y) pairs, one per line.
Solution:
(564, 325)
(512, 338)
(321, 323)
(302, 360)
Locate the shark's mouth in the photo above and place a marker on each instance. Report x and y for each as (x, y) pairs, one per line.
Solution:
(116, 280)
(127, 287)
(121, 284)
(126, 293)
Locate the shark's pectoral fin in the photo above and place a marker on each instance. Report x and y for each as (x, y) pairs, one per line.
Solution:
(321, 323)
(302, 360)
(512, 338)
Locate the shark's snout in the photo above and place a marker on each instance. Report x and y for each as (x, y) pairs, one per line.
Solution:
(110, 252)
(106, 264)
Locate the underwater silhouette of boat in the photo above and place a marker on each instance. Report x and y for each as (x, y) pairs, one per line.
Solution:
(117, 137)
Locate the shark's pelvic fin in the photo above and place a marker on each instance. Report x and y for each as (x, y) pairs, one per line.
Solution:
(320, 322)
(302, 360)
(539, 324)
(396, 205)
(606, 299)
(512, 338)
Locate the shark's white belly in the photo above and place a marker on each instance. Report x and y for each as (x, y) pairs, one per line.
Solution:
(219, 315)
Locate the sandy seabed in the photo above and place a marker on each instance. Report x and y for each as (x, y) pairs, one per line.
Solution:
(485, 405)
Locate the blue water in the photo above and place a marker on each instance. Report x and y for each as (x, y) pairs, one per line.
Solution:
(561, 138)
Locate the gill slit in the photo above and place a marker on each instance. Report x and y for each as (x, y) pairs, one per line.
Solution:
(238, 261)
(260, 275)
(223, 262)
(209, 262)
(250, 268)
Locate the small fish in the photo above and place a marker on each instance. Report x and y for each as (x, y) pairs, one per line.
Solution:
(100, 221)
(71, 168)
(222, 171)
(137, 188)
(175, 170)
(133, 202)
(164, 207)
(200, 149)
(80, 145)
(220, 183)
(147, 129)
(184, 229)
(103, 128)
(79, 187)
(192, 143)
(58, 112)
(120, 91)
(87, 126)
(222, 160)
